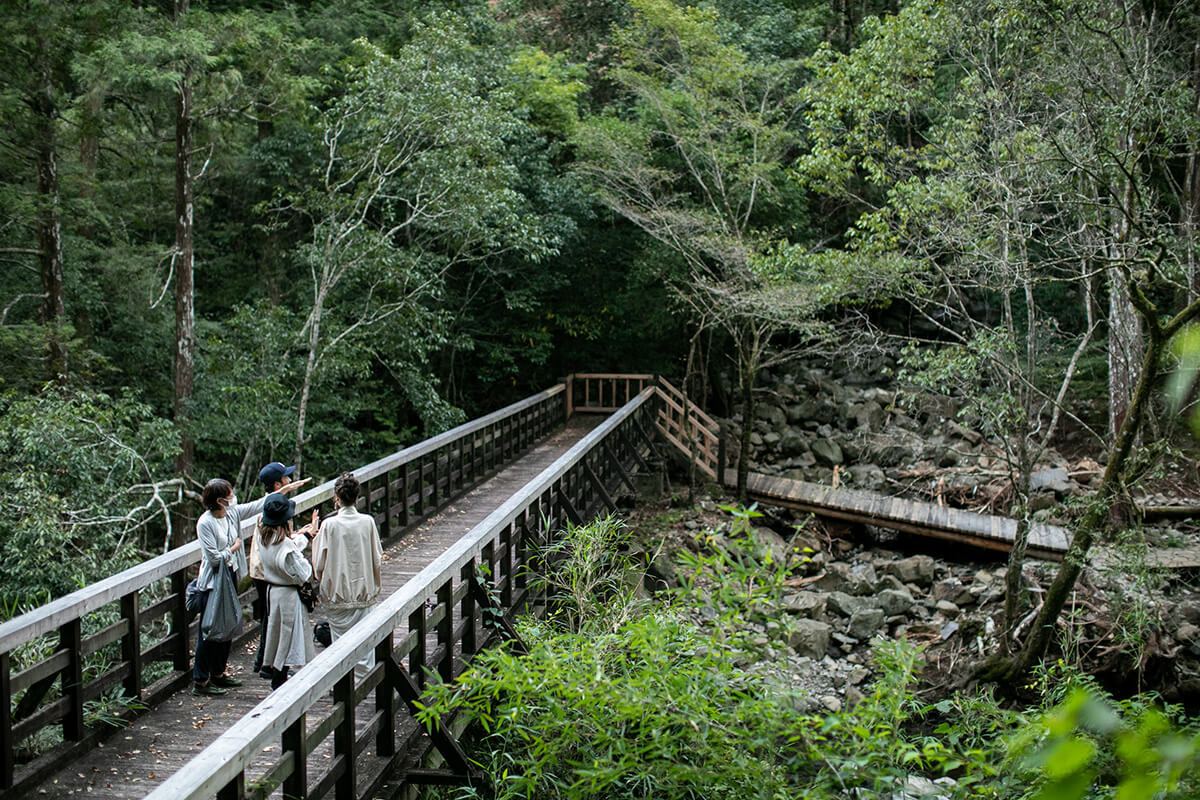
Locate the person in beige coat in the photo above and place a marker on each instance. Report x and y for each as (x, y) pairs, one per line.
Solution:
(348, 558)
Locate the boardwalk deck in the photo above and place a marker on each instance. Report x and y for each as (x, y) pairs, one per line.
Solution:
(922, 519)
(134, 760)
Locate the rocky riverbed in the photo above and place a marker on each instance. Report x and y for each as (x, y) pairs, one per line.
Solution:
(1135, 626)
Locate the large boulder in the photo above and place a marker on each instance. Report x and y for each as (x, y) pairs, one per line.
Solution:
(805, 604)
(827, 451)
(865, 623)
(846, 605)
(917, 570)
(894, 601)
(810, 638)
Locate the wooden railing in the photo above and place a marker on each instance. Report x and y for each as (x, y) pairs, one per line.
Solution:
(284, 741)
(684, 426)
(142, 637)
(596, 393)
(687, 428)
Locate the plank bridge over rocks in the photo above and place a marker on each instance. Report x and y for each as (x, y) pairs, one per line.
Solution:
(462, 516)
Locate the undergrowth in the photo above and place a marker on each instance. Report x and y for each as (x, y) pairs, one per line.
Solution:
(623, 697)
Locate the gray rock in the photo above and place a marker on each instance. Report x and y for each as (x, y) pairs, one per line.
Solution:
(948, 589)
(810, 638)
(948, 630)
(836, 577)
(915, 569)
(827, 451)
(894, 601)
(771, 439)
(946, 608)
(845, 605)
(863, 579)
(793, 442)
(831, 703)
(806, 604)
(867, 476)
(958, 431)
(769, 544)
(865, 624)
(756, 439)
(1040, 501)
(773, 415)
(1054, 480)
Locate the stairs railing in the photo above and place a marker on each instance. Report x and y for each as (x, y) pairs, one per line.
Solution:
(681, 423)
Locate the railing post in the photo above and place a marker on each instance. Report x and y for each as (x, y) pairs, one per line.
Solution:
(420, 486)
(389, 500)
(445, 631)
(71, 640)
(385, 700)
(235, 789)
(467, 610)
(570, 381)
(416, 658)
(404, 494)
(504, 576)
(295, 738)
(343, 738)
(131, 643)
(722, 455)
(7, 745)
(433, 499)
(181, 652)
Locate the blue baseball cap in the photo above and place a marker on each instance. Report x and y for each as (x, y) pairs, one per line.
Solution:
(272, 473)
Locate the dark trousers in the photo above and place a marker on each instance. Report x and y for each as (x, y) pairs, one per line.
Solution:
(211, 657)
(262, 612)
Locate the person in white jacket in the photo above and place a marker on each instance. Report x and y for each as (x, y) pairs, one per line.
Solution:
(348, 557)
(288, 645)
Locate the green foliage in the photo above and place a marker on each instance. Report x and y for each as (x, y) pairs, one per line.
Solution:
(585, 570)
(77, 475)
(1086, 747)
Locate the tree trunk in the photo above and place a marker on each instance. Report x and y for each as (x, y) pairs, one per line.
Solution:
(747, 375)
(185, 309)
(310, 370)
(49, 217)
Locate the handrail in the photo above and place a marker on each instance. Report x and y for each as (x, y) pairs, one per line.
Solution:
(222, 764)
(51, 616)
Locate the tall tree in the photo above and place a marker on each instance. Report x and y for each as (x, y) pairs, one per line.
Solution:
(183, 367)
(415, 180)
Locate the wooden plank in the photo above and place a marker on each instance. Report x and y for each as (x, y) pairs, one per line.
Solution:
(901, 514)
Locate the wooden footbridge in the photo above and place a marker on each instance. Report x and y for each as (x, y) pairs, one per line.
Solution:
(462, 516)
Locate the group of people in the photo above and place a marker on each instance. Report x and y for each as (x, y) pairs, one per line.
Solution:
(346, 562)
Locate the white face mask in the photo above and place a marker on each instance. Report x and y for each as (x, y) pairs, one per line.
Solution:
(229, 502)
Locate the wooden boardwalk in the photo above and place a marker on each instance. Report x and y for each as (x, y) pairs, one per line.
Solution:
(132, 761)
(921, 519)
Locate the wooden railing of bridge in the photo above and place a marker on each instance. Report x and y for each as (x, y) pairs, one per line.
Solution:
(135, 625)
(681, 423)
(278, 730)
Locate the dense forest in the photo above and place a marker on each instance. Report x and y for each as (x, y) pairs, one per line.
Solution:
(315, 232)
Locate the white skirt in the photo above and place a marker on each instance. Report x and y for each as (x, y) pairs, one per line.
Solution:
(289, 640)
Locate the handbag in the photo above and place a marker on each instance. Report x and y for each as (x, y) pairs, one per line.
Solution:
(193, 597)
(322, 633)
(222, 615)
(308, 594)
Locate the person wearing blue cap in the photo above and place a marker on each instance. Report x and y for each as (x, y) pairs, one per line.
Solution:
(275, 477)
(288, 644)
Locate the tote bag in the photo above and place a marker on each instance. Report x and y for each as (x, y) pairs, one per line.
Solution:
(223, 613)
